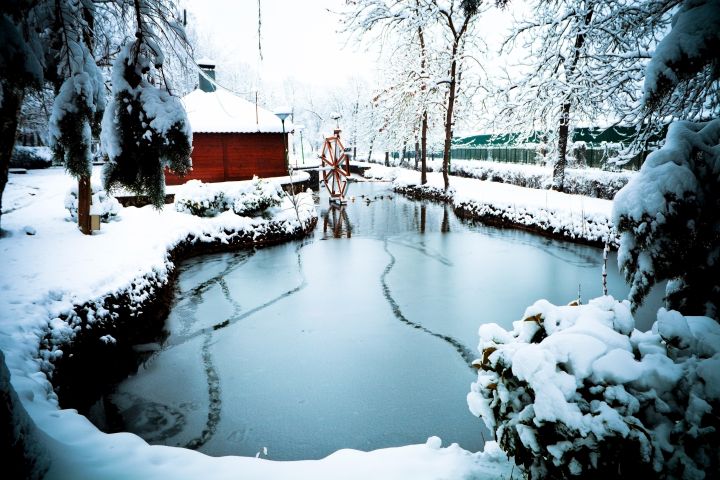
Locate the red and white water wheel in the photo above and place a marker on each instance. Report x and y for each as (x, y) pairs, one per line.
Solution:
(335, 168)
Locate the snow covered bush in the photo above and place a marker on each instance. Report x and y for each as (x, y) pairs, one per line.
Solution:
(668, 217)
(145, 129)
(103, 204)
(200, 199)
(31, 157)
(577, 391)
(259, 196)
(208, 200)
(578, 152)
(591, 182)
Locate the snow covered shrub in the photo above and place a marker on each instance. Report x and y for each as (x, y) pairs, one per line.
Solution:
(576, 391)
(578, 153)
(668, 217)
(260, 196)
(103, 204)
(206, 200)
(542, 152)
(200, 199)
(144, 129)
(30, 157)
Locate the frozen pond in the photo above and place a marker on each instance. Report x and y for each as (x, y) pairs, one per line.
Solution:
(358, 337)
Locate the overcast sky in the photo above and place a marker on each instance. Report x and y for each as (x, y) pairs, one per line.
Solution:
(299, 38)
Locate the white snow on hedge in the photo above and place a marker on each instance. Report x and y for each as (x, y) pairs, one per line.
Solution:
(591, 182)
(589, 380)
(102, 203)
(572, 216)
(243, 198)
(45, 275)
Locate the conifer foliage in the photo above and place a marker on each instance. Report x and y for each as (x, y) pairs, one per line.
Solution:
(80, 103)
(145, 129)
(668, 214)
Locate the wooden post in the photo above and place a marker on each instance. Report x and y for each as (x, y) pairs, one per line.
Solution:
(84, 199)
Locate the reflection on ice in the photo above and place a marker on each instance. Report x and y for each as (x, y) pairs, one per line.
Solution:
(310, 347)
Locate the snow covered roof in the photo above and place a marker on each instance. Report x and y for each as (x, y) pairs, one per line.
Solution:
(224, 112)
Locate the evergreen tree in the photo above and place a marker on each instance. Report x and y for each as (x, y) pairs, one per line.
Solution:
(55, 41)
(80, 101)
(145, 129)
(669, 214)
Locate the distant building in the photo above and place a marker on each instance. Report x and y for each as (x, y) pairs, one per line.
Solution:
(233, 139)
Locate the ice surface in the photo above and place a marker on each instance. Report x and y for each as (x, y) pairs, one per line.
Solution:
(361, 342)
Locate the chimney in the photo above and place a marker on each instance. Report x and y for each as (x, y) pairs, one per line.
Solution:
(207, 69)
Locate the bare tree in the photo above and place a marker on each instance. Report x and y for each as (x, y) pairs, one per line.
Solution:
(585, 62)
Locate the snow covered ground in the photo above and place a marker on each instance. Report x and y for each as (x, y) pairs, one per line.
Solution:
(566, 215)
(49, 267)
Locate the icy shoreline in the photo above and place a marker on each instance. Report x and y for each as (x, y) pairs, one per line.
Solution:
(564, 216)
(52, 271)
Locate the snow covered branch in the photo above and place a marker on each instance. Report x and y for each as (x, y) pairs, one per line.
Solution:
(669, 221)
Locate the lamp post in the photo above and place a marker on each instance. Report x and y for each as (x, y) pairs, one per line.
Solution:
(282, 114)
(300, 129)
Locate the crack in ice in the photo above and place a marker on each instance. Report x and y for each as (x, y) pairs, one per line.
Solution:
(467, 355)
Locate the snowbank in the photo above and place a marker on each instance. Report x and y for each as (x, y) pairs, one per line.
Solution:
(48, 274)
(591, 182)
(572, 217)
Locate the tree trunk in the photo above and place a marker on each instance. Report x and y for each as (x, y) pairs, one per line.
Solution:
(84, 200)
(9, 114)
(561, 162)
(449, 119)
(387, 159)
(417, 152)
(423, 129)
(564, 126)
(423, 150)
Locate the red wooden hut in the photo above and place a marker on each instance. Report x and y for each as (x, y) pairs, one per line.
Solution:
(233, 139)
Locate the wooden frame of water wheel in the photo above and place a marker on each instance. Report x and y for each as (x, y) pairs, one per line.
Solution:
(335, 168)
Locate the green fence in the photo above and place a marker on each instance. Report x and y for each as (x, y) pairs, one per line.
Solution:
(593, 157)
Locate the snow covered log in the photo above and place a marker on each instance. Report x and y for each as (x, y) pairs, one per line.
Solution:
(668, 217)
(578, 391)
